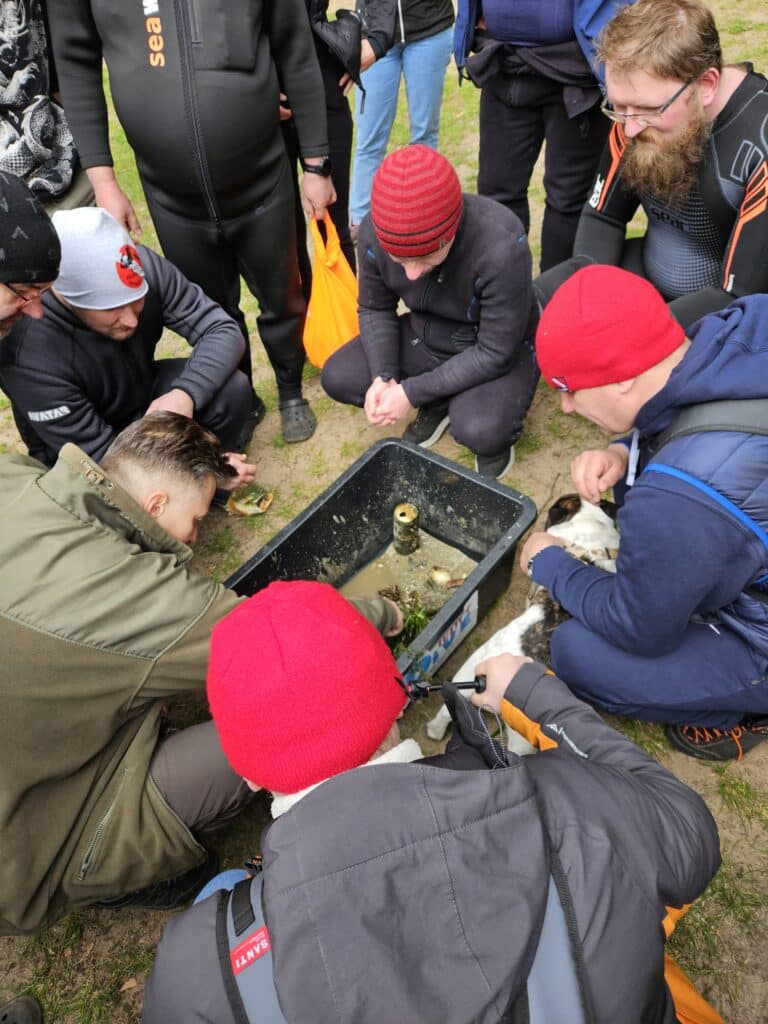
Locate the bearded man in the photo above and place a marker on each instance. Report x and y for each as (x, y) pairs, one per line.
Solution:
(688, 145)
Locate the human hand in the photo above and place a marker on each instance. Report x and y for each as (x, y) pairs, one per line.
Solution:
(393, 405)
(245, 472)
(372, 398)
(535, 543)
(283, 109)
(317, 193)
(174, 400)
(595, 471)
(499, 671)
(110, 197)
(367, 55)
(398, 626)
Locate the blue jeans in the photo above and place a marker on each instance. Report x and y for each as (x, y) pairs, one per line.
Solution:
(423, 65)
(711, 679)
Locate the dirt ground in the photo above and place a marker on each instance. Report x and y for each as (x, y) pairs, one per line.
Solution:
(91, 967)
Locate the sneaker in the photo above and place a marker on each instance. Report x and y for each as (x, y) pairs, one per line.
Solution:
(167, 895)
(429, 425)
(23, 1010)
(719, 744)
(494, 466)
(252, 420)
(297, 419)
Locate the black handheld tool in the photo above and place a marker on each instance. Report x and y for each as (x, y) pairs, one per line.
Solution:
(420, 689)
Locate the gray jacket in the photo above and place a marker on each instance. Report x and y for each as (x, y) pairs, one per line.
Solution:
(431, 908)
(68, 383)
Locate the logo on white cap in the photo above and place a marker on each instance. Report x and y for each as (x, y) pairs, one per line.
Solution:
(129, 268)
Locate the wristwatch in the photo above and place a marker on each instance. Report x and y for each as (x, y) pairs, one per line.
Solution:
(323, 169)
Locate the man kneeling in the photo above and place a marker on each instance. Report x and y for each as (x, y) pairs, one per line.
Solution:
(464, 353)
(438, 890)
(101, 621)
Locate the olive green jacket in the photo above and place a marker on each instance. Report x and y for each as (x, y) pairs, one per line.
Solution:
(100, 621)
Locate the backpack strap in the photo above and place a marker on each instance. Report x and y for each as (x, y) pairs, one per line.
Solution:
(740, 415)
(245, 954)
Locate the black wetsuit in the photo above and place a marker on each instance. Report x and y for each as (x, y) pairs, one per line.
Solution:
(714, 248)
(196, 91)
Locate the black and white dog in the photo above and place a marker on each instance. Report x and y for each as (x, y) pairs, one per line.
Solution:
(590, 534)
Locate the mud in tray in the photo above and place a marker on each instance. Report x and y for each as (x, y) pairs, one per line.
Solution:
(351, 523)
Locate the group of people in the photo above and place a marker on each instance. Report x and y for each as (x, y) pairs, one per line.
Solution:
(466, 881)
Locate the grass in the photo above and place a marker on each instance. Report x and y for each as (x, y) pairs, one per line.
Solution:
(698, 940)
(77, 967)
(739, 796)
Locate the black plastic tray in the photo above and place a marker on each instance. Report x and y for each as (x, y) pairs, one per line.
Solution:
(351, 523)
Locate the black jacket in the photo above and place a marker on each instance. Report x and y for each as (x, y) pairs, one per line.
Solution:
(431, 907)
(403, 21)
(195, 86)
(68, 383)
(472, 312)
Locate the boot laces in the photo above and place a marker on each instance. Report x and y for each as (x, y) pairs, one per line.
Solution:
(696, 734)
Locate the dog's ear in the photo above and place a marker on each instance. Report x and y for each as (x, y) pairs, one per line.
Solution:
(564, 509)
(610, 508)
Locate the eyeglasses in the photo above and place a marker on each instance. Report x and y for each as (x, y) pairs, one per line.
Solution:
(30, 293)
(643, 117)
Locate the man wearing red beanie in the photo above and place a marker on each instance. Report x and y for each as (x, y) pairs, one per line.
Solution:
(464, 352)
(420, 890)
(680, 633)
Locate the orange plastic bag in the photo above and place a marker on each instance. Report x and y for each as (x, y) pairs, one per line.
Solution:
(690, 1007)
(332, 312)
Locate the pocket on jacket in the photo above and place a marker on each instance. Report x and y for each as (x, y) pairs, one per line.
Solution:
(223, 34)
(464, 336)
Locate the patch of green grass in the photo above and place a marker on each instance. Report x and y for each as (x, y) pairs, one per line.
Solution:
(736, 27)
(221, 543)
(649, 736)
(696, 942)
(528, 443)
(739, 796)
(350, 450)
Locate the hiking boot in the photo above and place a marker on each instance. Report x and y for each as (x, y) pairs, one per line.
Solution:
(429, 425)
(23, 1010)
(719, 744)
(167, 895)
(252, 420)
(494, 466)
(297, 419)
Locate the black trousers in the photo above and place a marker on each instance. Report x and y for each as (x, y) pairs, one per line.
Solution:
(259, 244)
(487, 418)
(225, 414)
(517, 117)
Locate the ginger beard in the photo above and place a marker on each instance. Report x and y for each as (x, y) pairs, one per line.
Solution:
(666, 168)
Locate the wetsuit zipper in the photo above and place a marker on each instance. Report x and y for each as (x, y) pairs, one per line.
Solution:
(98, 835)
(190, 99)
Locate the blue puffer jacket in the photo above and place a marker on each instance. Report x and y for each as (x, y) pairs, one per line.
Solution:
(682, 553)
(589, 17)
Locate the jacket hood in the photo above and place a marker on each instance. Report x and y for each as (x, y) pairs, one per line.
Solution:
(726, 360)
(430, 906)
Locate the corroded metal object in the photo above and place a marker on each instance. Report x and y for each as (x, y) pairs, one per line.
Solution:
(405, 528)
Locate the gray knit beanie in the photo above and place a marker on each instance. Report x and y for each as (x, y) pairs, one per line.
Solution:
(100, 267)
(29, 248)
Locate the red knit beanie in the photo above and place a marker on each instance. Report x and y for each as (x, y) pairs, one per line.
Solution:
(602, 326)
(301, 686)
(416, 202)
